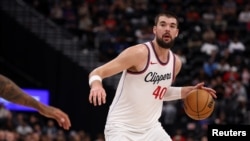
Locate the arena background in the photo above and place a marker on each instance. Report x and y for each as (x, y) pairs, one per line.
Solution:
(32, 63)
(40, 51)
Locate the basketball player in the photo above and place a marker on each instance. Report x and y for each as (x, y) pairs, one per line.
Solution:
(13, 93)
(148, 69)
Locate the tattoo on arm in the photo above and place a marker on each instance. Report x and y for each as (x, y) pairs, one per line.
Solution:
(13, 93)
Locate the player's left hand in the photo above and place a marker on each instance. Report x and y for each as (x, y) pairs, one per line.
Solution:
(210, 90)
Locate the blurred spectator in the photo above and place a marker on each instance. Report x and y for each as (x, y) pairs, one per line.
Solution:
(8, 136)
(209, 34)
(35, 136)
(9, 125)
(236, 46)
(128, 34)
(60, 136)
(208, 15)
(221, 118)
(5, 114)
(45, 137)
(33, 120)
(56, 13)
(31, 137)
(19, 118)
(50, 129)
(195, 41)
(220, 22)
(210, 67)
(70, 16)
(85, 33)
(240, 91)
(244, 15)
(245, 76)
(85, 25)
(110, 21)
(206, 27)
(74, 136)
(179, 135)
(231, 75)
(227, 56)
(169, 114)
(100, 137)
(218, 85)
(229, 9)
(242, 116)
(37, 128)
(223, 66)
(192, 14)
(139, 17)
(143, 33)
(204, 138)
(182, 56)
(119, 45)
(24, 129)
(223, 38)
(82, 134)
(208, 47)
(83, 9)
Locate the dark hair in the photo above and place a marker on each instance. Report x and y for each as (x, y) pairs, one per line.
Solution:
(167, 14)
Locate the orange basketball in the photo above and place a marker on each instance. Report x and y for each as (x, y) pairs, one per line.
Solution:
(199, 104)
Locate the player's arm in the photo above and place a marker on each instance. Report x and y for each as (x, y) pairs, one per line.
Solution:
(131, 58)
(13, 93)
(174, 93)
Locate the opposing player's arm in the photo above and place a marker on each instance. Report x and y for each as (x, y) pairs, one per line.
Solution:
(11, 92)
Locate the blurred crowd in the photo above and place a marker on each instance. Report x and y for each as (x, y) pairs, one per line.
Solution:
(31, 126)
(214, 45)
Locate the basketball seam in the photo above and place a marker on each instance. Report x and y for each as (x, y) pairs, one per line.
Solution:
(197, 101)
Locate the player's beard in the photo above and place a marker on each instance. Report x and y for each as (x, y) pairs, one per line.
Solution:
(164, 44)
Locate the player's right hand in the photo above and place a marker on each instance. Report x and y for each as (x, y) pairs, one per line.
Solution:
(97, 95)
(61, 117)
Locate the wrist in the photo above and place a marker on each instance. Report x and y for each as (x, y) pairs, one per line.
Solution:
(94, 78)
(173, 93)
(186, 90)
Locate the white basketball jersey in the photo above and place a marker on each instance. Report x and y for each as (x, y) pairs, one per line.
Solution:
(139, 97)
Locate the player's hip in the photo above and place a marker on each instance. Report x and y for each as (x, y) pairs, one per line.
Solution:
(115, 132)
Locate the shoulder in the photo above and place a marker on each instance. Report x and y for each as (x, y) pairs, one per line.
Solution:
(137, 50)
(140, 48)
(135, 57)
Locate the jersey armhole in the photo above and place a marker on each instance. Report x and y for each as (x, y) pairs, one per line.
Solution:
(146, 65)
(174, 65)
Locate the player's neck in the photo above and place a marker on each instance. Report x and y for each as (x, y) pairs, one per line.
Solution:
(161, 52)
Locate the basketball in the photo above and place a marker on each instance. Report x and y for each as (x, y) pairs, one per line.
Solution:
(199, 104)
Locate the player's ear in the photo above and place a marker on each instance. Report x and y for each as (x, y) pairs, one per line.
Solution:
(154, 29)
(177, 33)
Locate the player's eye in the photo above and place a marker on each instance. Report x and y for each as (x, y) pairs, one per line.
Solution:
(173, 26)
(163, 25)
